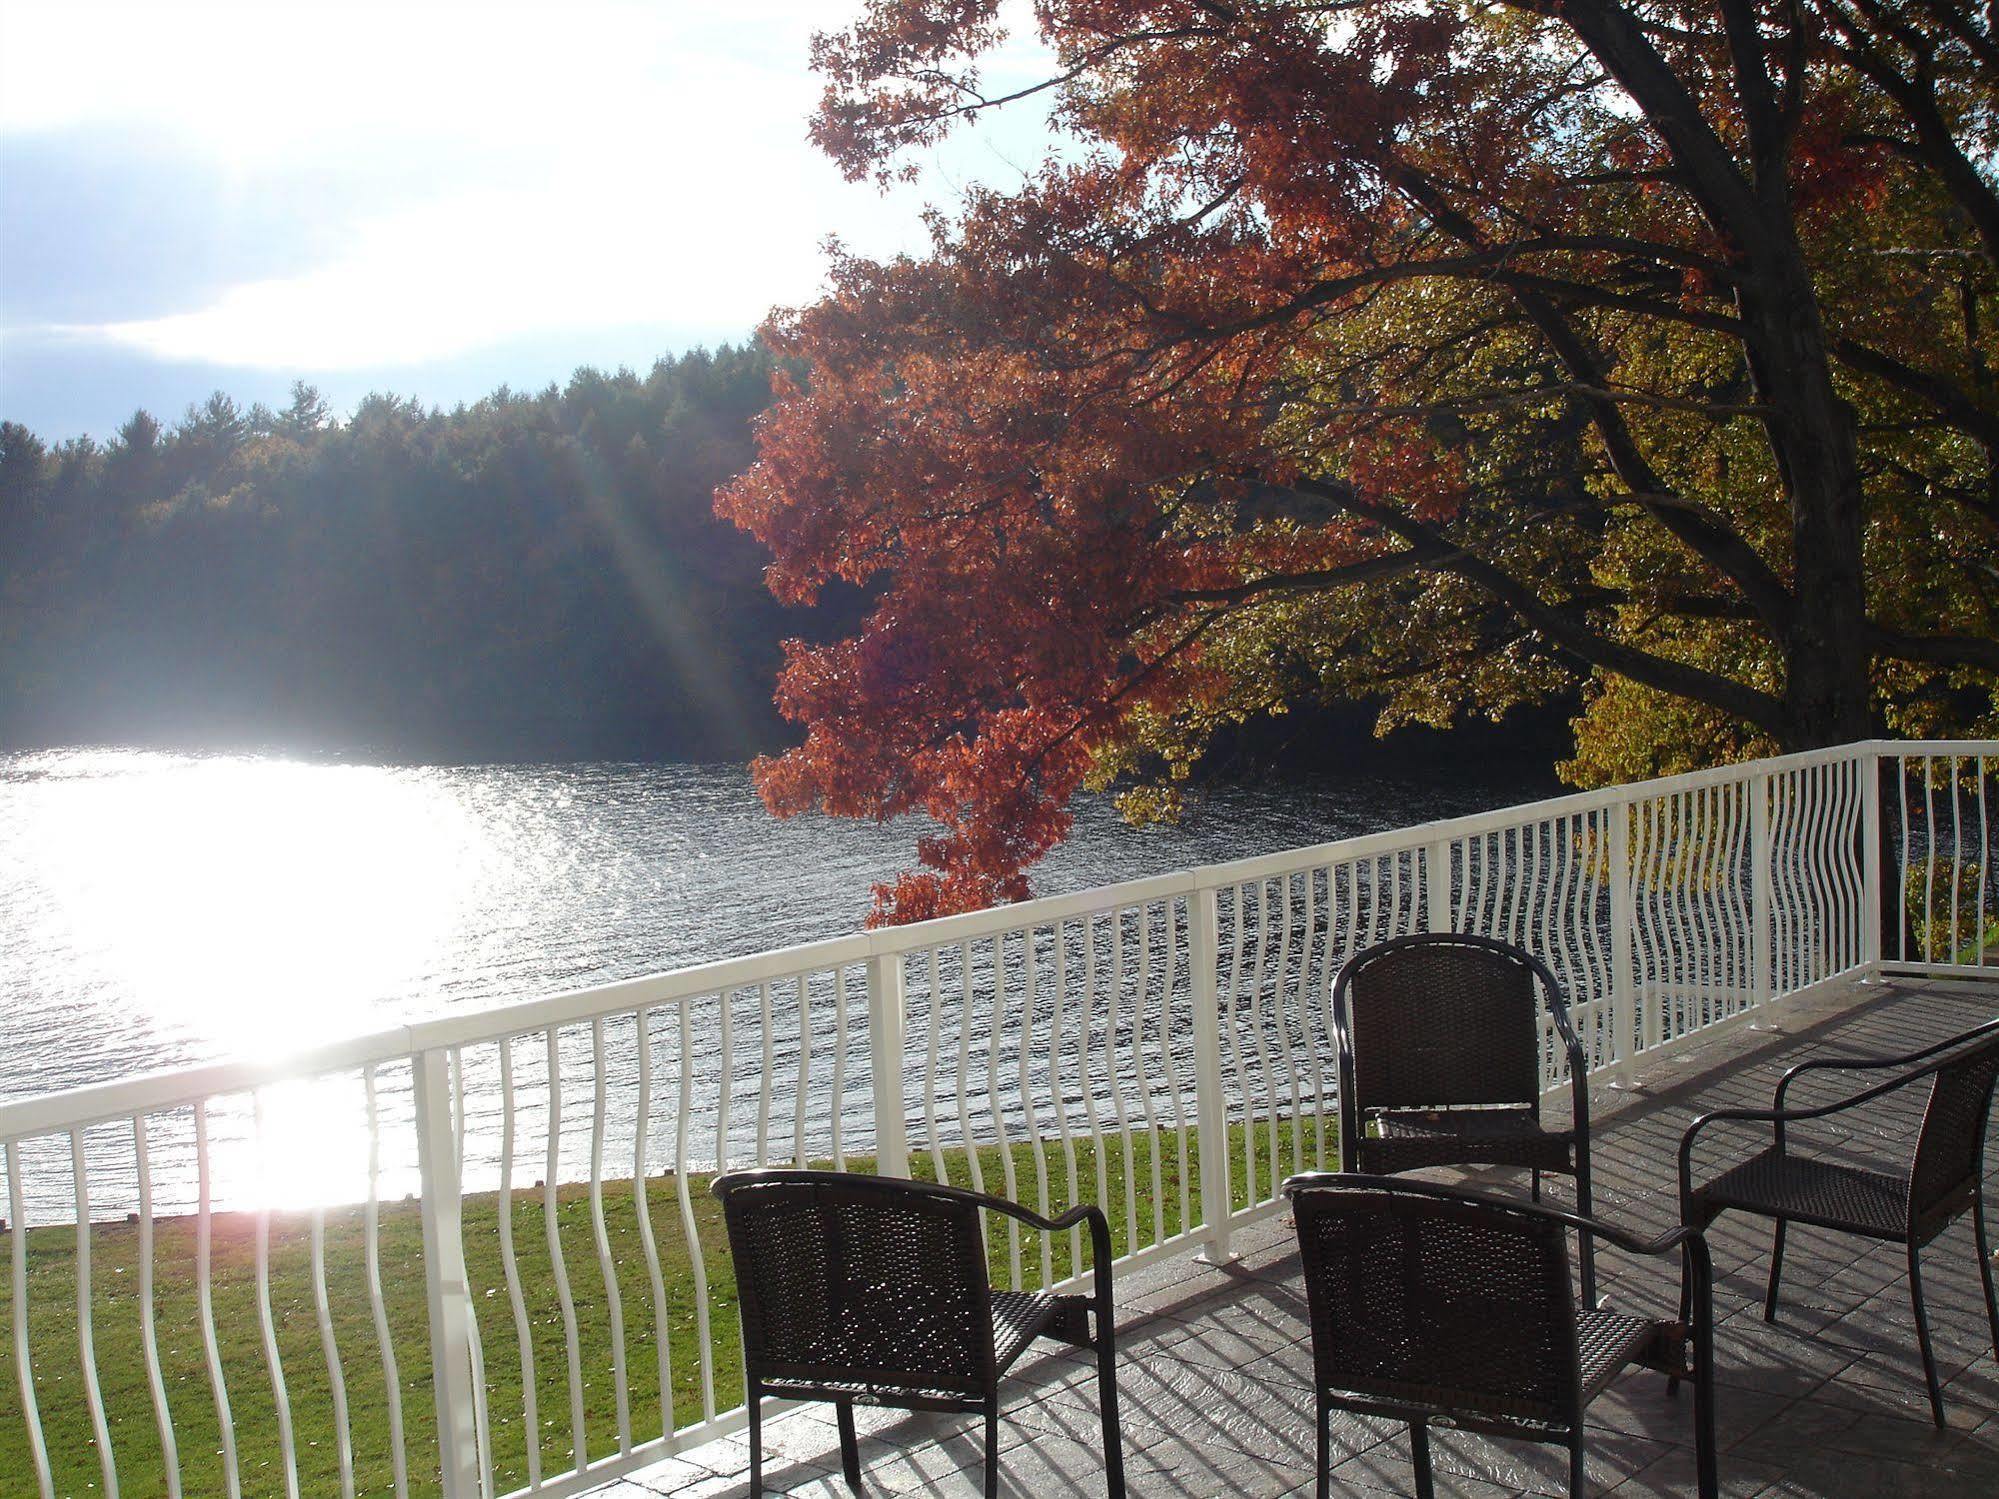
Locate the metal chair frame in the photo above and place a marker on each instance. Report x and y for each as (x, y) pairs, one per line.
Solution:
(1680, 1350)
(1363, 1152)
(1921, 1222)
(1067, 1318)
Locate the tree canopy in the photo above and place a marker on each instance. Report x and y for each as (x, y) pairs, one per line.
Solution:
(1450, 355)
(537, 574)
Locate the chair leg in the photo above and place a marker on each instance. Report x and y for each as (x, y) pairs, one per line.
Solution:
(1578, 1480)
(1686, 1321)
(1706, 1478)
(1419, 1450)
(1985, 1267)
(1536, 1180)
(1107, 1404)
(756, 1445)
(1923, 1337)
(850, 1447)
(1776, 1272)
(1697, 1317)
(992, 1449)
(1325, 1487)
(1586, 1206)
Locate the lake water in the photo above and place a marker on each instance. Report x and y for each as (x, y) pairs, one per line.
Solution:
(162, 909)
(159, 909)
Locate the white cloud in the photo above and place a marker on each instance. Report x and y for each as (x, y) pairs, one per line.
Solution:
(483, 268)
(600, 164)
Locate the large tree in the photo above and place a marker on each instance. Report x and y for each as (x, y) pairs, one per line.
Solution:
(1439, 353)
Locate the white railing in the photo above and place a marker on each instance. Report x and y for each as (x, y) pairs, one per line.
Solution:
(504, 1273)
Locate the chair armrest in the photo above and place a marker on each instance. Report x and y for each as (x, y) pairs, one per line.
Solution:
(1082, 1213)
(1777, 1118)
(1352, 1126)
(1872, 1064)
(1558, 1011)
(1579, 1098)
(1087, 1213)
(1692, 1133)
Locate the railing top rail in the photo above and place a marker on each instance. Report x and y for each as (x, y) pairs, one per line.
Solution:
(172, 1088)
(152, 1092)
(1920, 747)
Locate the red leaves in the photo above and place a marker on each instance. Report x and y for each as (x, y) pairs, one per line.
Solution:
(1399, 461)
(1032, 443)
(898, 76)
(1050, 446)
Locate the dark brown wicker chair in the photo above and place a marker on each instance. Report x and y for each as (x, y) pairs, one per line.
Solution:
(873, 1290)
(1440, 1063)
(1435, 1303)
(1944, 1176)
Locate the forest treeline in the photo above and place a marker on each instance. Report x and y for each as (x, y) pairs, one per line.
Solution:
(532, 576)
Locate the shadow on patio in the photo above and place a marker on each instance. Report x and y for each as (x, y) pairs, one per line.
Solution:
(1215, 1362)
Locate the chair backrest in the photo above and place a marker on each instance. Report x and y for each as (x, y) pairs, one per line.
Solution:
(851, 1280)
(1951, 1145)
(1438, 1301)
(1440, 1018)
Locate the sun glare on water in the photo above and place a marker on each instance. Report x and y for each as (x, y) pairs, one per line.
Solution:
(255, 904)
(248, 908)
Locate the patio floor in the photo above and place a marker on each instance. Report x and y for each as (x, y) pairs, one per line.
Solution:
(1215, 1365)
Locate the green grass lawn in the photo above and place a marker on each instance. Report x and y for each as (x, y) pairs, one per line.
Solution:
(1973, 951)
(116, 1318)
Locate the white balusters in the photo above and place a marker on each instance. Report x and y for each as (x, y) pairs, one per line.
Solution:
(1086, 1052)
(803, 1090)
(997, 1113)
(204, 1272)
(149, 1334)
(266, 1325)
(1984, 866)
(378, 1308)
(1210, 1101)
(614, 1304)
(965, 1066)
(343, 1436)
(641, 1135)
(934, 1024)
(766, 1079)
(1113, 1008)
(558, 1264)
(1141, 994)
(86, 1345)
(682, 1130)
(24, 1359)
(510, 1268)
(481, 1422)
(839, 1105)
(1058, 1091)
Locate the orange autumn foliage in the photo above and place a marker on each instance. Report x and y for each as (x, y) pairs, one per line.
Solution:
(1456, 310)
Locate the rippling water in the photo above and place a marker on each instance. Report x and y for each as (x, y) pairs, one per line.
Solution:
(160, 909)
(163, 909)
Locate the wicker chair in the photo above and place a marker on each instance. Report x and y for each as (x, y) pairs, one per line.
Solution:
(1435, 1303)
(1440, 1054)
(873, 1290)
(1944, 1176)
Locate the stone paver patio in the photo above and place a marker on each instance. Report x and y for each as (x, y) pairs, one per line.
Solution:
(1215, 1365)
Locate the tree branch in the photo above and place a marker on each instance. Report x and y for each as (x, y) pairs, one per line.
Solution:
(1937, 650)
(1564, 630)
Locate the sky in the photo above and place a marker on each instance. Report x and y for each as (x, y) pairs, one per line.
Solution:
(429, 197)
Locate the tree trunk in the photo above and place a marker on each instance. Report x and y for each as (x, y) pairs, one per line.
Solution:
(1827, 695)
